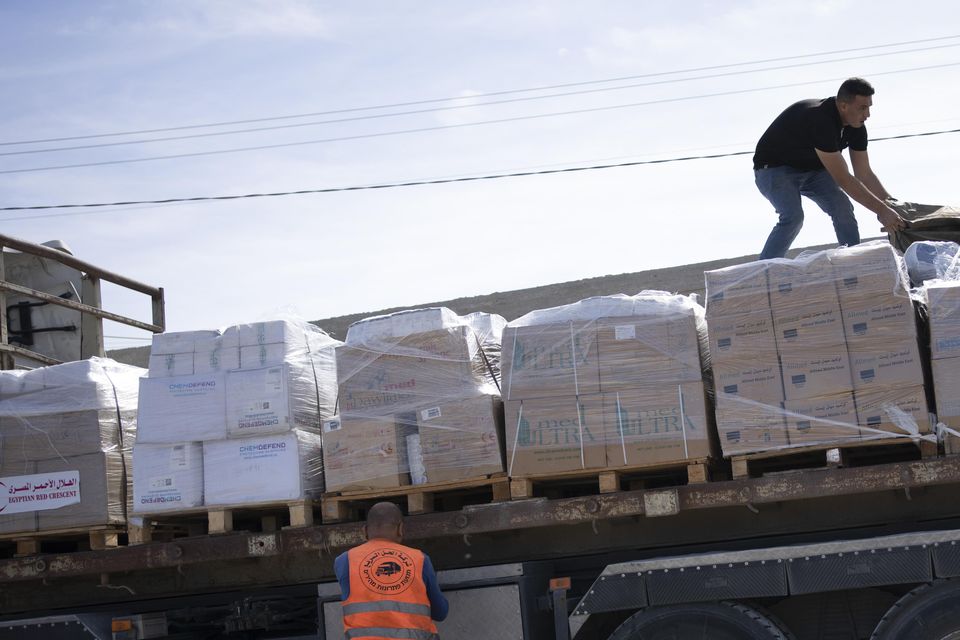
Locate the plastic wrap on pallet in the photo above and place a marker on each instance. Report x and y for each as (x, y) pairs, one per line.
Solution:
(942, 301)
(932, 260)
(167, 477)
(609, 381)
(64, 432)
(394, 368)
(263, 469)
(807, 362)
(460, 439)
(251, 379)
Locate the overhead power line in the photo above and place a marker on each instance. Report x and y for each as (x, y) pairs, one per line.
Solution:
(411, 183)
(380, 134)
(479, 95)
(396, 114)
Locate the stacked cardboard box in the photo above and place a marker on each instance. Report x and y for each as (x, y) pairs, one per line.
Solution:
(827, 354)
(743, 355)
(818, 390)
(241, 425)
(942, 300)
(881, 332)
(425, 374)
(66, 433)
(606, 382)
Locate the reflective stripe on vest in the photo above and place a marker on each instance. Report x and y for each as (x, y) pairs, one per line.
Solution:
(377, 632)
(386, 605)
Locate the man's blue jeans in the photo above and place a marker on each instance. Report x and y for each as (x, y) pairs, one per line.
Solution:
(783, 186)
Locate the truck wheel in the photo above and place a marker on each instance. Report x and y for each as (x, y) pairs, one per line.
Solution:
(703, 621)
(929, 612)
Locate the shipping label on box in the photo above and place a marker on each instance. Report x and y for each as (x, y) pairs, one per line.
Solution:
(824, 420)
(26, 521)
(886, 363)
(879, 318)
(171, 364)
(809, 372)
(645, 427)
(901, 411)
(640, 352)
(183, 409)
(550, 360)
(553, 435)
(102, 486)
(816, 325)
(167, 477)
(39, 492)
(364, 453)
(946, 388)
(867, 270)
(461, 439)
(736, 290)
(261, 469)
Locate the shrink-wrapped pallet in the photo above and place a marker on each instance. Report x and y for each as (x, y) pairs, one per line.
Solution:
(812, 366)
(65, 438)
(429, 372)
(610, 381)
(253, 384)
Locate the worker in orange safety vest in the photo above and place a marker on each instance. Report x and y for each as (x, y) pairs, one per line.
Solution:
(389, 590)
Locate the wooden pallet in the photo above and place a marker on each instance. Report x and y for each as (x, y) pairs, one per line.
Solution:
(77, 539)
(613, 479)
(423, 498)
(856, 453)
(213, 520)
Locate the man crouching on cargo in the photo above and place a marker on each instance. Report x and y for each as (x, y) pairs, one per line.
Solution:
(389, 590)
(800, 155)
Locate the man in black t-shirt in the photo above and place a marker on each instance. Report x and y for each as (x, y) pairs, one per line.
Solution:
(800, 155)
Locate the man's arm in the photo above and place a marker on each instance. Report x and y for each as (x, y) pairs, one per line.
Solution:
(853, 187)
(862, 171)
(341, 567)
(439, 607)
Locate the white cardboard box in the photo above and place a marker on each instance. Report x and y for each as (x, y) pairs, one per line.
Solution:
(167, 477)
(178, 341)
(184, 409)
(219, 359)
(271, 332)
(171, 364)
(271, 400)
(263, 469)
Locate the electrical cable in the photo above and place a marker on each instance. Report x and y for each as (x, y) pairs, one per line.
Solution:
(395, 114)
(415, 183)
(380, 134)
(478, 95)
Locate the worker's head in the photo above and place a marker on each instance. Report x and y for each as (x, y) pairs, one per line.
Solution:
(854, 99)
(384, 521)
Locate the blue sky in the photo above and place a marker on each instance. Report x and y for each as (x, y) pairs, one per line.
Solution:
(72, 69)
